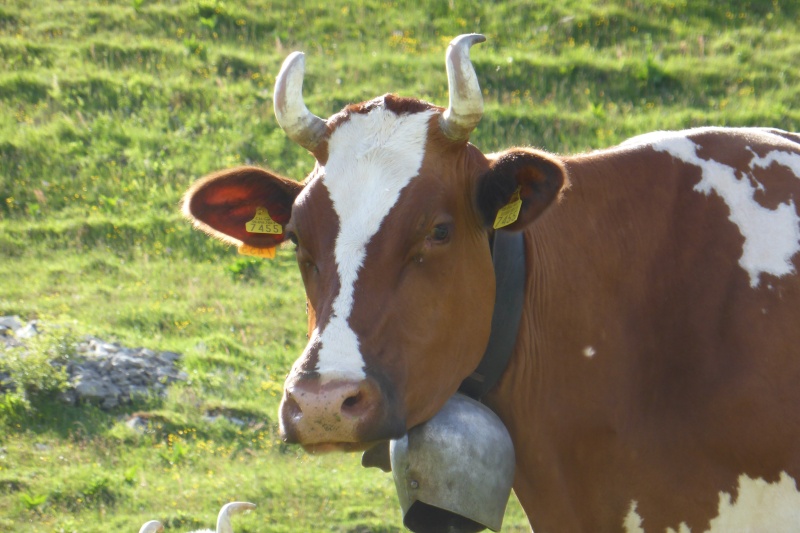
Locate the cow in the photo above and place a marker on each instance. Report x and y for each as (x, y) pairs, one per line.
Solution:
(654, 382)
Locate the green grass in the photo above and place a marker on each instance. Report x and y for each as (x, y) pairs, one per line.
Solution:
(110, 110)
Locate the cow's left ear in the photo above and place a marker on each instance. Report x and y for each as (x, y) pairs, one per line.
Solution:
(242, 206)
(518, 186)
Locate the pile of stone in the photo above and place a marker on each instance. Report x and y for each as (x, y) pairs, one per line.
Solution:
(101, 372)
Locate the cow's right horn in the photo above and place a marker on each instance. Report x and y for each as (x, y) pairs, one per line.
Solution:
(466, 103)
(302, 126)
(224, 517)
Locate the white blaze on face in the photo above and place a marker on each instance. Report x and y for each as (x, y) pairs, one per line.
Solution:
(372, 157)
(771, 237)
(759, 506)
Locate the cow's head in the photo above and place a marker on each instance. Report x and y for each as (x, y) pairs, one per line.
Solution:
(391, 231)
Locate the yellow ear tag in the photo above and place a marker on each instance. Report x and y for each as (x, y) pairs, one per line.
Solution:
(263, 223)
(266, 253)
(509, 213)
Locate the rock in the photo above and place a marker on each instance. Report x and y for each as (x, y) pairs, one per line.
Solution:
(126, 361)
(10, 342)
(209, 418)
(27, 331)
(169, 356)
(107, 374)
(213, 415)
(95, 389)
(10, 323)
(6, 385)
(164, 374)
(100, 348)
(137, 423)
(110, 402)
(236, 421)
(69, 397)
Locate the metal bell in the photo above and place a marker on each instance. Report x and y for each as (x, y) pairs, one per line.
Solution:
(454, 472)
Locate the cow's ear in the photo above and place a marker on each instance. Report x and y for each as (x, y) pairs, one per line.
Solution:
(242, 206)
(518, 187)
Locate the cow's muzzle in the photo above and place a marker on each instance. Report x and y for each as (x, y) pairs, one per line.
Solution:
(337, 414)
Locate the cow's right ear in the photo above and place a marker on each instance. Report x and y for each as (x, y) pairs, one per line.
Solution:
(518, 186)
(242, 206)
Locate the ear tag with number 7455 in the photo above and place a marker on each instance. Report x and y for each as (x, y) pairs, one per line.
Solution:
(509, 213)
(263, 223)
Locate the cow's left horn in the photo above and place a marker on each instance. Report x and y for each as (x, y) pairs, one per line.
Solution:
(302, 126)
(466, 103)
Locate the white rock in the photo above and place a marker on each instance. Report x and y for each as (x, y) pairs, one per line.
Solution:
(10, 322)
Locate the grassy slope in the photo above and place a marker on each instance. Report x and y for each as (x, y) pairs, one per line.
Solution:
(109, 110)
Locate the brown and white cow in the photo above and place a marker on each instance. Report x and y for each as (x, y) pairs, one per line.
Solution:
(655, 382)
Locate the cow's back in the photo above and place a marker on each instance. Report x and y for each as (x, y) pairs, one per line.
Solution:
(656, 380)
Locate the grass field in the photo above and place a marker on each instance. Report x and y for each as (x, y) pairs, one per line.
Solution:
(109, 110)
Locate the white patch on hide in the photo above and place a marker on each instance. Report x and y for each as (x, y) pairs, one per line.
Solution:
(589, 352)
(771, 238)
(789, 160)
(632, 521)
(773, 507)
(759, 507)
(372, 157)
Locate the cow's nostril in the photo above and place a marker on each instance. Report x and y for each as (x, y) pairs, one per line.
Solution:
(359, 402)
(351, 402)
(291, 407)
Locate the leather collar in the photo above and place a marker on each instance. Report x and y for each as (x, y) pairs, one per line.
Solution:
(508, 256)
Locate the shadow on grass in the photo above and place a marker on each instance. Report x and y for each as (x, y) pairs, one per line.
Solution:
(47, 414)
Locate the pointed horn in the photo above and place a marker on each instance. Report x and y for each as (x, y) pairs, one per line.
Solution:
(466, 103)
(302, 126)
(153, 526)
(224, 517)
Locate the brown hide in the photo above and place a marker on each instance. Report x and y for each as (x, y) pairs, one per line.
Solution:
(692, 379)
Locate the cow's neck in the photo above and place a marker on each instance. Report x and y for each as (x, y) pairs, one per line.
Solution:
(570, 289)
(588, 262)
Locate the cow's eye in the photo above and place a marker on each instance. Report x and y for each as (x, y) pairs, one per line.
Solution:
(440, 233)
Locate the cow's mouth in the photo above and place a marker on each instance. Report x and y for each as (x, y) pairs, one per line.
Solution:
(329, 447)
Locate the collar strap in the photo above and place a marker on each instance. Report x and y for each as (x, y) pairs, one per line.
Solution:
(508, 256)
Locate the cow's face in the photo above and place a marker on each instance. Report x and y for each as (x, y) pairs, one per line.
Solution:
(395, 260)
(392, 241)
